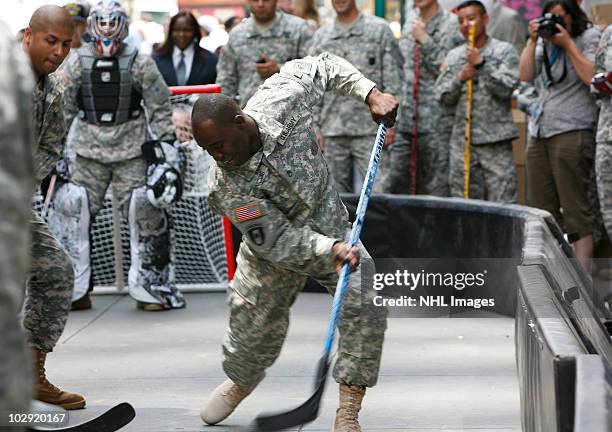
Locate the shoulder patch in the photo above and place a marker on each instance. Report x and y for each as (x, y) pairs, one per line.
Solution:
(248, 212)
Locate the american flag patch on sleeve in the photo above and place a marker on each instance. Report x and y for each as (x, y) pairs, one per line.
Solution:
(248, 212)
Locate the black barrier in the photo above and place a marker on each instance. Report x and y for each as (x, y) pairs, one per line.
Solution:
(558, 326)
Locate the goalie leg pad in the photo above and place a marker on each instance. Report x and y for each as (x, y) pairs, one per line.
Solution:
(164, 172)
(69, 222)
(151, 276)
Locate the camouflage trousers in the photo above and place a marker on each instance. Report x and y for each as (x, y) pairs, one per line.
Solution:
(342, 151)
(603, 169)
(492, 171)
(432, 164)
(96, 176)
(151, 275)
(49, 288)
(260, 297)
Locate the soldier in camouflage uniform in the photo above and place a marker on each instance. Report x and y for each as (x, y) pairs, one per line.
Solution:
(16, 174)
(603, 154)
(493, 65)
(258, 47)
(424, 45)
(343, 126)
(105, 83)
(272, 181)
(47, 42)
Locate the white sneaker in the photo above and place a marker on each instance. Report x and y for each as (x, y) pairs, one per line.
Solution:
(223, 401)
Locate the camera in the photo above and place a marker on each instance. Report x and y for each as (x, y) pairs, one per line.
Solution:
(548, 25)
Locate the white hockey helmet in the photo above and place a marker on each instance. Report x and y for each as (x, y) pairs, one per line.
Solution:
(108, 26)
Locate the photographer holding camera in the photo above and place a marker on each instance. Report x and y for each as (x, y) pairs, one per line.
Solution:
(561, 50)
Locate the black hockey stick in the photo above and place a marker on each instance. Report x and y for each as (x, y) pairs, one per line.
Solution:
(309, 410)
(109, 421)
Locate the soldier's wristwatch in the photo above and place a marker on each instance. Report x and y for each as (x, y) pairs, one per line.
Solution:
(480, 65)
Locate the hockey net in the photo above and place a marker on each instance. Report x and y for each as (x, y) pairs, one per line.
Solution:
(200, 253)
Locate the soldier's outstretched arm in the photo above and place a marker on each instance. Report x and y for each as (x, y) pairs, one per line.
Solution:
(268, 233)
(327, 72)
(156, 97)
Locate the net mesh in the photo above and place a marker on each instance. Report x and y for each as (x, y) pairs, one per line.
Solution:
(197, 237)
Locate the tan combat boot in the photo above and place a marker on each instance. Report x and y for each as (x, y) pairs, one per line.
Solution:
(149, 307)
(46, 392)
(223, 401)
(347, 414)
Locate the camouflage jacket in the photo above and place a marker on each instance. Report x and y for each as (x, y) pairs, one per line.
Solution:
(289, 38)
(603, 63)
(283, 199)
(370, 46)
(49, 125)
(443, 32)
(114, 143)
(493, 86)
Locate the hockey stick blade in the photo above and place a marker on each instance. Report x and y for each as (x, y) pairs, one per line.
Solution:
(109, 421)
(305, 413)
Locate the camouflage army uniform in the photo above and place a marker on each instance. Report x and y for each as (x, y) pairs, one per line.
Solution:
(49, 288)
(492, 172)
(111, 155)
(434, 121)
(289, 38)
(347, 128)
(116, 148)
(603, 156)
(16, 175)
(285, 203)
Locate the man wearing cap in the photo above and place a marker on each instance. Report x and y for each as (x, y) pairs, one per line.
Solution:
(79, 13)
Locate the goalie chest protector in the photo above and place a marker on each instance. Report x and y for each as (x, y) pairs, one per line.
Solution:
(107, 96)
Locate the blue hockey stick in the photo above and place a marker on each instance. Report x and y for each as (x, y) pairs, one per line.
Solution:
(309, 410)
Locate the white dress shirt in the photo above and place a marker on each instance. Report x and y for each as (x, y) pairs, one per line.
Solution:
(176, 58)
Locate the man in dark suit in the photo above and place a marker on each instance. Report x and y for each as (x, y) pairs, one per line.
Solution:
(180, 59)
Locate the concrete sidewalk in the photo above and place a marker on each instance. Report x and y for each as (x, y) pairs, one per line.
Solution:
(437, 374)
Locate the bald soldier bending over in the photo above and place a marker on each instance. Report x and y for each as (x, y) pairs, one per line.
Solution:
(272, 181)
(47, 42)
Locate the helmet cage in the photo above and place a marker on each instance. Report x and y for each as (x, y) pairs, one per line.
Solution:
(109, 26)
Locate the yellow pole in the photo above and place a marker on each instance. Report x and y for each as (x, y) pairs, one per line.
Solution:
(468, 120)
